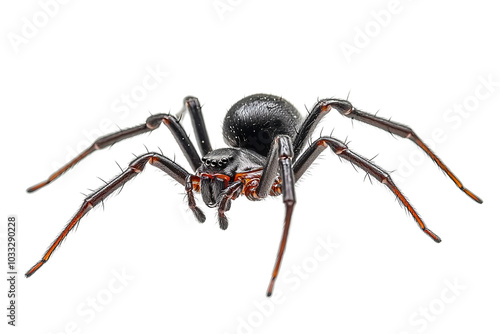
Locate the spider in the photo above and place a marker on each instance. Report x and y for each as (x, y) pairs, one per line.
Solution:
(266, 135)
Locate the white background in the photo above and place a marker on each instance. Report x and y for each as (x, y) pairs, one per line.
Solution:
(424, 59)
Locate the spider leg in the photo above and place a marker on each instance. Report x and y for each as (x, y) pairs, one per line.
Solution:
(280, 155)
(193, 106)
(225, 202)
(191, 202)
(136, 166)
(152, 123)
(339, 148)
(345, 108)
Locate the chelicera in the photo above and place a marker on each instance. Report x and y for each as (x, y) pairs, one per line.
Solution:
(267, 155)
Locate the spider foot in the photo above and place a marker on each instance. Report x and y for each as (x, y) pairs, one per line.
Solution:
(34, 268)
(223, 222)
(199, 214)
(471, 195)
(432, 235)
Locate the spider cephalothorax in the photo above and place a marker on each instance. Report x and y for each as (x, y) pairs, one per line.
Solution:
(267, 136)
(225, 166)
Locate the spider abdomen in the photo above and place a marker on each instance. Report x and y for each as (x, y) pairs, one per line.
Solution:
(254, 121)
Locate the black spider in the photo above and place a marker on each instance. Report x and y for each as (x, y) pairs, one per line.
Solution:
(266, 134)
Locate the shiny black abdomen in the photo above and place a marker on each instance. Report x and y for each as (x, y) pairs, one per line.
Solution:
(254, 121)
